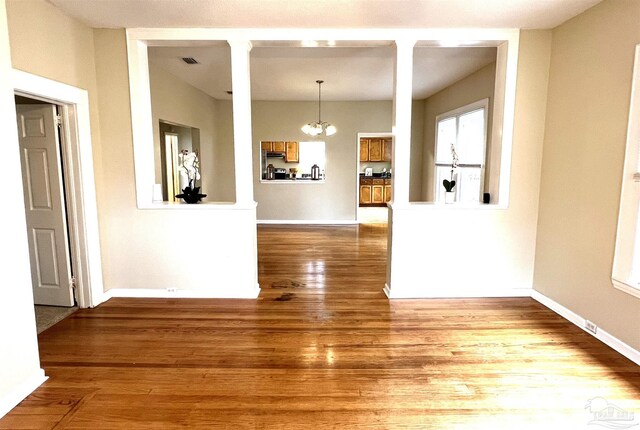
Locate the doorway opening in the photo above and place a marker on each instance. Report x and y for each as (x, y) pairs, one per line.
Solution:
(44, 165)
(176, 140)
(375, 177)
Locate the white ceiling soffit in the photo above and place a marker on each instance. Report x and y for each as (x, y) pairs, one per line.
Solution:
(350, 74)
(324, 13)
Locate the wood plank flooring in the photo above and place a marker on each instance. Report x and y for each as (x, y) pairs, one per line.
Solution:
(322, 348)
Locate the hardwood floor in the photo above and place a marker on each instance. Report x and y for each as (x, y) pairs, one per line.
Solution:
(323, 348)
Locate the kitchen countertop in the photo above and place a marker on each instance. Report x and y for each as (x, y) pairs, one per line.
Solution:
(377, 176)
(292, 181)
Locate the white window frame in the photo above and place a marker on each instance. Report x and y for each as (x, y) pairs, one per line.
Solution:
(626, 262)
(456, 113)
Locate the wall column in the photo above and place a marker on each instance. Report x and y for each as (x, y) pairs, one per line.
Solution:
(401, 160)
(242, 140)
(402, 89)
(20, 371)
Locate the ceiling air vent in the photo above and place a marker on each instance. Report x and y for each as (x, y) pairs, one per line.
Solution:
(189, 60)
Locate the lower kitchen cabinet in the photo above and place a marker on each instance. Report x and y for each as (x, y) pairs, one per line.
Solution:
(387, 193)
(377, 194)
(365, 195)
(375, 191)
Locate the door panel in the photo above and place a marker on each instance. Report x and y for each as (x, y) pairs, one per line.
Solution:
(377, 194)
(37, 174)
(44, 205)
(46, 258)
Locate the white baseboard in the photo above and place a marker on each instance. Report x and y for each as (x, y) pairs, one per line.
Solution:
(605, 337)
(181, 294)
(456, 294)
(309, 221)
(19, 393)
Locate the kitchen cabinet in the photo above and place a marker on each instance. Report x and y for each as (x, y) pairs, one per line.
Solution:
(388, 189)
(279, 147)
(365, 195)
(273, 146)
(292, 154)
(365, 191)
(386, 149)
(364, 149)
(375, 191)
(375, 150)
(377, 194)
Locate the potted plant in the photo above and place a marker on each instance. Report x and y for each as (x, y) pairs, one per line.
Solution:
(189, 168)
(449, 184)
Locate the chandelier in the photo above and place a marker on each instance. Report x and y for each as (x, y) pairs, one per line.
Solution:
(319, 127)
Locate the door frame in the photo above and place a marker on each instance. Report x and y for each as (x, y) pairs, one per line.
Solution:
(360, 135)
(77, 158)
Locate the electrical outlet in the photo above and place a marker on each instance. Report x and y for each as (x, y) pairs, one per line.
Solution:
(590, 326)
(172, 290)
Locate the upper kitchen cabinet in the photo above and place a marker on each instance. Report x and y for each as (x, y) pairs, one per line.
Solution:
(386, 149)
(288, 150)
(292, 154)
(375, 149)
(364, 149)
(273, 146)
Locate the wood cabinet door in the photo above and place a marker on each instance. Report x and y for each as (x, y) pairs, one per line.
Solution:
(377, 194)
(291, 154)
(279, 147)
(387, 193)
(364, 149)
(266, 146)
(386, 149)
(375, 150)
(365, 194)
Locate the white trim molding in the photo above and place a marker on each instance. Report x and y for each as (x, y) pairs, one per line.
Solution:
(458, 293)
(82, 204)
(625, 274)
(173, 293)
(308, 221)
(19, 393)
(603, 336)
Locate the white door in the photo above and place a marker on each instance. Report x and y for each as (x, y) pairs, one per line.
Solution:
(44, 205)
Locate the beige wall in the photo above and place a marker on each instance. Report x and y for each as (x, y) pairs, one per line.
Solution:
(48, 43)
(587, 113)
(477, 86)
(175, 101)
(336, 198)
(224, 160)
(417, 149)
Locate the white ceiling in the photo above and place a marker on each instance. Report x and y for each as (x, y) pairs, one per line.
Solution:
(362, 73)
(325, 13)
(365, 73)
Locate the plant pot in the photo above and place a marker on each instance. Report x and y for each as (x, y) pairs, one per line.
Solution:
(449, 197)
(191, 195)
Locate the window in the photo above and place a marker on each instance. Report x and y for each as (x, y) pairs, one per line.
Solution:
(464, 132)
(626, 261)
(289, 157)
